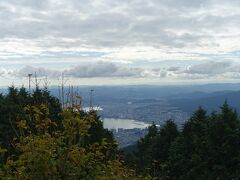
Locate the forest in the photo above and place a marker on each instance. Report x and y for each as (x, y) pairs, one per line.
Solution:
(206, 147)
(41, 140)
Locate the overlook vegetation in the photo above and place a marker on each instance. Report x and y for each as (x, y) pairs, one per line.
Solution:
(207, 147)
(40, 140)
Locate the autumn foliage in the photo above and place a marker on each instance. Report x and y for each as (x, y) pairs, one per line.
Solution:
(75, 147)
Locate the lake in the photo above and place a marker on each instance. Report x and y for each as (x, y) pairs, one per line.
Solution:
(112, 123)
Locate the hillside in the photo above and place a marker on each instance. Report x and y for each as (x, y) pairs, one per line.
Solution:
(211, 101)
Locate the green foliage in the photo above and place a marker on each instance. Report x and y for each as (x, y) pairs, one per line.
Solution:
(153, 150)
(207, 147)
(47, 152)
(12, 110)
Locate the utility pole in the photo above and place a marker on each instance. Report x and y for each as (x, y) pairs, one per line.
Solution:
(62, 90)
(29, 84)
(91, 99)
(72, 96)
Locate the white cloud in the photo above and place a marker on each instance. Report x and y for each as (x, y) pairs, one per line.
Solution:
(5, 72)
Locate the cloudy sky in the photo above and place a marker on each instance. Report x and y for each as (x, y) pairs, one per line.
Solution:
(120, 41)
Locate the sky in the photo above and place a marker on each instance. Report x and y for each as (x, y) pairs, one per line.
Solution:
(116, 42)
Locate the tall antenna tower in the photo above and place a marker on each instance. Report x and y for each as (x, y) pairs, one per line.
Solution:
(91, 99)
(29, 84)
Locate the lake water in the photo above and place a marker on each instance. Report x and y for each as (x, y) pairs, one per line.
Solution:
(112, 123)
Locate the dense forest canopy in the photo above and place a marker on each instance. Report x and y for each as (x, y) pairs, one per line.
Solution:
(12, 109)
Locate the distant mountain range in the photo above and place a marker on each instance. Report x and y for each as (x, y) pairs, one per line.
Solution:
(209, 101)
(184, 97)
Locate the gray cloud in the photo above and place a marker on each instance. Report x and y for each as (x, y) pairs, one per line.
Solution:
(40, 71)
(85, 70)
(222, 70)
(209, 68)
(103, 69)
(98, 69)
(106, 23)
(173, 68)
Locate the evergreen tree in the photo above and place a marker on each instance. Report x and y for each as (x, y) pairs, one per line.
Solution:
(207, 147)
(143, 153)
(12, 110)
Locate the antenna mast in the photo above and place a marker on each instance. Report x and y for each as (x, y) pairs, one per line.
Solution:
(91, 99)
(29, 84)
